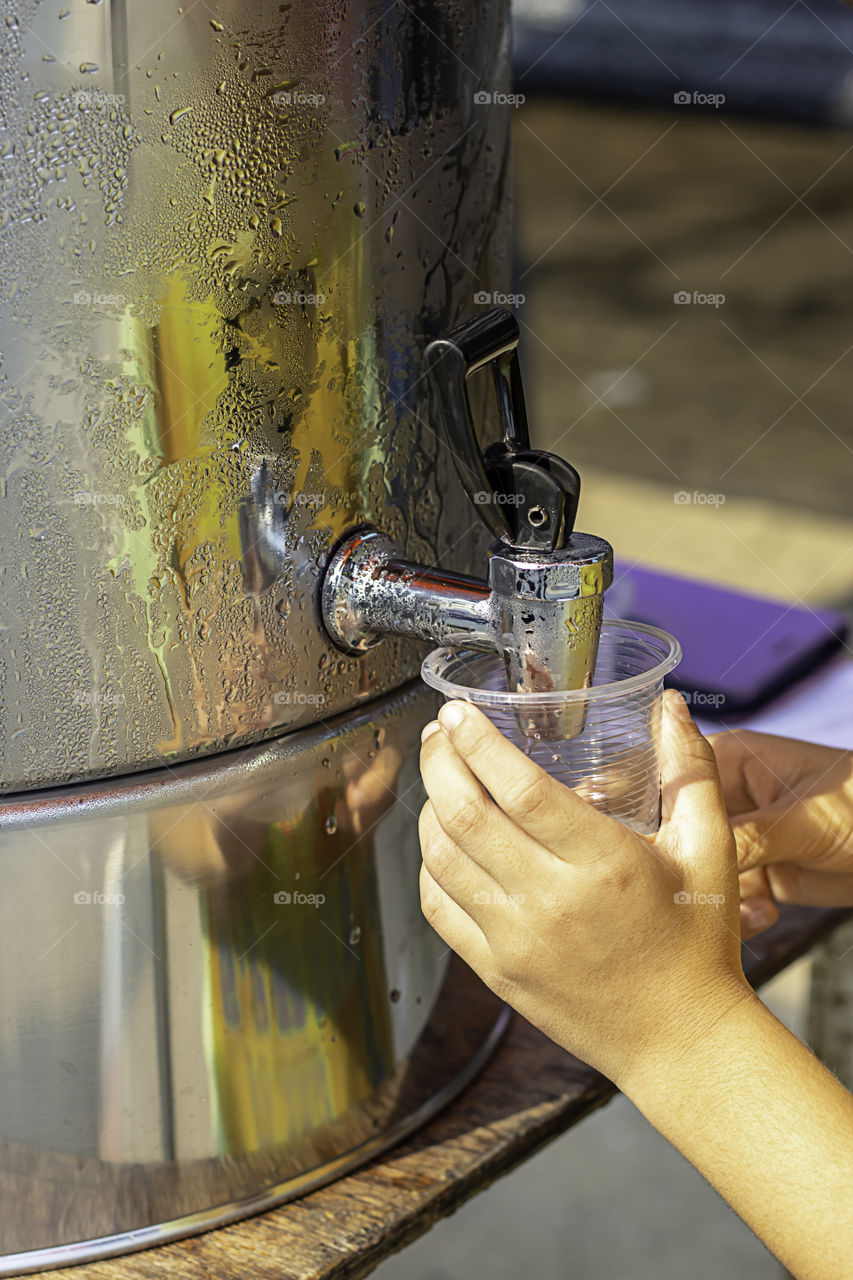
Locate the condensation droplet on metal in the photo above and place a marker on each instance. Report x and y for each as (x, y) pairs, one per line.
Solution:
(331, 825)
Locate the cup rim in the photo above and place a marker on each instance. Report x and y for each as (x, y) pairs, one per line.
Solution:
(557, 697)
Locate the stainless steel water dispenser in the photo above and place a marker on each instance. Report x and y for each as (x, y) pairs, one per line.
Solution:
(228, 233)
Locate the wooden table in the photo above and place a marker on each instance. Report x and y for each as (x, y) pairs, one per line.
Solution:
(528, 1094)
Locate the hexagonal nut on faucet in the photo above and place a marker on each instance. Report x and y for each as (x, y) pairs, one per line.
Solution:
(550, 609)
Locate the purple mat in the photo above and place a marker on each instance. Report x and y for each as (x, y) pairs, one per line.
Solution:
(739, 650)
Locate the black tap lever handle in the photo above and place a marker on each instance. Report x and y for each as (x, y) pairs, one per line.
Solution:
(524, 496)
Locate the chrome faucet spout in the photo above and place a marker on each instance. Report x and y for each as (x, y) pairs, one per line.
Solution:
(370, 591)
(541, 607)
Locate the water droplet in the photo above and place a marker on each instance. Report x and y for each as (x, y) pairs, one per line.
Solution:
(394, 995)
(355, 935)
(326, 762)
(88, 68)
(217, 26)
(378, 738)
(178, 114)
(359, 208)
(331, 825)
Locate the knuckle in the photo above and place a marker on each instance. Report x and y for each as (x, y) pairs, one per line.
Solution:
(430, 896)
(463, 818)
(515, 958)
(702, 752)
(426, 822)
(748, 844)
(502, 984)
(617, 878)
(438, 856)
(527, 797)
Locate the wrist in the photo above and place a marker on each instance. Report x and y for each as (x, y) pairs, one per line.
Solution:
(697, 1039)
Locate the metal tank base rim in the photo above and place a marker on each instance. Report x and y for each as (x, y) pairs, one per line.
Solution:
(194, 1224)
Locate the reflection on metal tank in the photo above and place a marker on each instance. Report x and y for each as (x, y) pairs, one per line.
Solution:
(224, 992)
(227, 234)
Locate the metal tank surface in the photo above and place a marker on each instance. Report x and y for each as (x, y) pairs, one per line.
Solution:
(228, 233)
(218, 988)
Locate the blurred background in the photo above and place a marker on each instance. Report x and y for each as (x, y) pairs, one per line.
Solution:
(684, 189)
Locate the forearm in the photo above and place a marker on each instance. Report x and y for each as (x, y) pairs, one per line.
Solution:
(769, 1127)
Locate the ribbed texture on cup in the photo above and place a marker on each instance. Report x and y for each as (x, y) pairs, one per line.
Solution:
(613, 761)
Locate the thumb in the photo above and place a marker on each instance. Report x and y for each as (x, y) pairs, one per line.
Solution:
(691, 793)
(780, 833)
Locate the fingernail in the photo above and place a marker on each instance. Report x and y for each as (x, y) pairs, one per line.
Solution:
(676, 704)
(451, 715)
(430, 729)
(758, 915)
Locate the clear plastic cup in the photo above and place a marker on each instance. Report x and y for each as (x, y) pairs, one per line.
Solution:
(612, 760)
